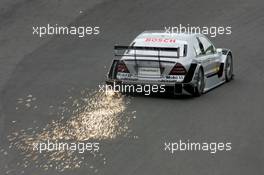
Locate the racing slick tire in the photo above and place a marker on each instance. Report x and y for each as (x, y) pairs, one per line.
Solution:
(199, 88)
(229, 68)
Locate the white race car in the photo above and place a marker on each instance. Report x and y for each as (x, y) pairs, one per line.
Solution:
(185, 63)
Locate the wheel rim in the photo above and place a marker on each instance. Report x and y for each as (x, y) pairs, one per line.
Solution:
(200, 81)
(229, 68)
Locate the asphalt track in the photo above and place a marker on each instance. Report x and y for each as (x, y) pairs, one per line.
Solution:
(50, 66)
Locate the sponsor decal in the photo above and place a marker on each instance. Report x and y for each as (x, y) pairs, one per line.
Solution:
(160, 40)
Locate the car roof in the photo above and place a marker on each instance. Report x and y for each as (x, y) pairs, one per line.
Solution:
(161, 38)
(162, 34)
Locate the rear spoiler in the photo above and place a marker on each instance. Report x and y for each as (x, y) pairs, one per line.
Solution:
(158, 49)
(125, 50)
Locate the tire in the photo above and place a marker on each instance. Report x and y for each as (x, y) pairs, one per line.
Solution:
(229, 68)
(199, 88)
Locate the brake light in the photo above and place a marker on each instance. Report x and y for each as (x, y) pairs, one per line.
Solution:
(121, 67)
(178, 69)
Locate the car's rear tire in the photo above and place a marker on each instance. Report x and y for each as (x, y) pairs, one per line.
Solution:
(199, 87)
(229, 68)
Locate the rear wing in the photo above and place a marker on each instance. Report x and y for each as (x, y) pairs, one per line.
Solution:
(131, 51)
(126, 49)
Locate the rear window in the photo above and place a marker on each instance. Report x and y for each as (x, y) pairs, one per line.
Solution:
(168, 43)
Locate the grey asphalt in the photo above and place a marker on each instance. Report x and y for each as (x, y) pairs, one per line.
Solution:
(48, 67)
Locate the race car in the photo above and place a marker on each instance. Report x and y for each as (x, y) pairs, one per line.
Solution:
(187, 63)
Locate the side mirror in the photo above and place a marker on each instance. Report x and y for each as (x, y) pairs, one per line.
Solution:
(219, 50)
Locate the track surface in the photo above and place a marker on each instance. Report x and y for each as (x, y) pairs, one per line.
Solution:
(49, 67)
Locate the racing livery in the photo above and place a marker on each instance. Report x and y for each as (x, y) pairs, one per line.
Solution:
(186, 63)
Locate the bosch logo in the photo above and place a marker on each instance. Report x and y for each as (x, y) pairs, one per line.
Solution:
(160, 40)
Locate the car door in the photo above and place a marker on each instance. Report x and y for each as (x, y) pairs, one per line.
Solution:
(211, 56)
(201, 57)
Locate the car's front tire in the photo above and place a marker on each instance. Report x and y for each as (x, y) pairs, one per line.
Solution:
(229, 68)
(200, 84)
